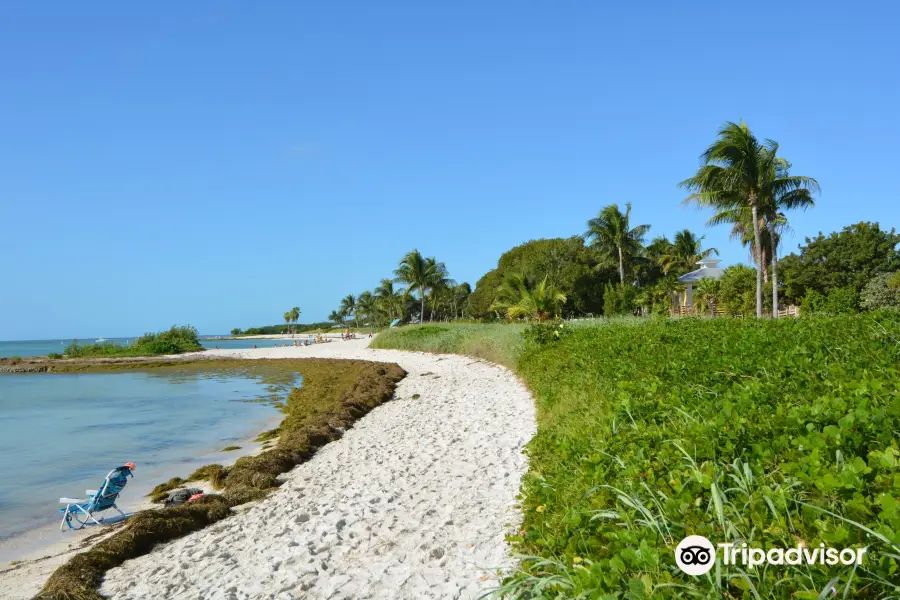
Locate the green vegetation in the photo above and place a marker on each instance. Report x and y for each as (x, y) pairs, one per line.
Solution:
(177, 340)
(495, 342)
(844, 260)
(522, 297)
(771, 432)
(282, 329)
(334, 394)
(230, 448)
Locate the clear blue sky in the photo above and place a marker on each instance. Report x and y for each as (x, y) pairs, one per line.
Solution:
(216, 163)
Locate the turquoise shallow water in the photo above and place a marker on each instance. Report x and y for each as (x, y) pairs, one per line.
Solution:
(25, 348)
(61, 433)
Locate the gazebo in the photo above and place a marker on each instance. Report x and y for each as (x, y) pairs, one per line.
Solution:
(708, 268)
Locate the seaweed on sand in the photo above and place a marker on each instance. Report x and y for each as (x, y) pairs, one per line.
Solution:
(79, 578)
(334, 394)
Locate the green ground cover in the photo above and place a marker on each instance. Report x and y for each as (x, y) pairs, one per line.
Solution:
(773, 432)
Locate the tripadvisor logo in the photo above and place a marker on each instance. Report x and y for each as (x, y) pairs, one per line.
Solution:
(695, 555)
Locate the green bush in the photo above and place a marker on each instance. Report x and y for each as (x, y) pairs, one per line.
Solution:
(547, 332)
(882, 292)
(766, 431)
(618, 299)
(840, 301)
(177, 340)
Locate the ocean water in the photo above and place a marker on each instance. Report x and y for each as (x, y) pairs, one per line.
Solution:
(44, 347)
(60, 434)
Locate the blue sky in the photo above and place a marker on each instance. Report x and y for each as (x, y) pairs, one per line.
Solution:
(216, 163)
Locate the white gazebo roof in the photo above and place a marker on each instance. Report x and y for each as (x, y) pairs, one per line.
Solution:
(707, 268)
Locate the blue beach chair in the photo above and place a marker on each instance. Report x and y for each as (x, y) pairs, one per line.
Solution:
(82, 511)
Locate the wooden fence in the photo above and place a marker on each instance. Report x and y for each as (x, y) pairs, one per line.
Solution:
(690, 311)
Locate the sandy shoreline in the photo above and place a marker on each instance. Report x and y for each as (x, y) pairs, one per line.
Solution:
(28, 558)
(414, 501)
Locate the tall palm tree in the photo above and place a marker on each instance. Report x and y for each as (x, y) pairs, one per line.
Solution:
(734, 169)
(611, 233)
(783, 192)
(522, 297)
(287, 320)
(337, 317)
(417, 273)
(295, 315)
(349, 307)
(740, 172)
(685, 252)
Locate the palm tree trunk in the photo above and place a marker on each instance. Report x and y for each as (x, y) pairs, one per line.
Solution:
(621, 267)
(774, 270)
(422, 316)
(757, 240)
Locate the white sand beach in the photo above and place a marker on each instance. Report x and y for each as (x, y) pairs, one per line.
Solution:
(414, 501)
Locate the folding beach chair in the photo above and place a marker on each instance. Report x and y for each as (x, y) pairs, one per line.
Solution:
(82, 511)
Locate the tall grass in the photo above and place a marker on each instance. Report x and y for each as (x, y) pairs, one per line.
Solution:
(770, 432)
(495, 342)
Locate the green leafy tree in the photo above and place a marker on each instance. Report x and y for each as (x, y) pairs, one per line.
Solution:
(610, 232)
(479, 302)
(236, 331)
(849, 258)
(522, 298)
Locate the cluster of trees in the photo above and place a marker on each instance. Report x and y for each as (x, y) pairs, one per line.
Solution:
(429, 294)
(611, 268)
(281, 329)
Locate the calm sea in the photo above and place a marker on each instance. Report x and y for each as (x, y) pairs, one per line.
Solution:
(44, 347)
(61, 433)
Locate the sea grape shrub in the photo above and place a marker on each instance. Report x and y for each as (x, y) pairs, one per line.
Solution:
(547, 332)
(765, 431)
(177, 340)
(838, 302)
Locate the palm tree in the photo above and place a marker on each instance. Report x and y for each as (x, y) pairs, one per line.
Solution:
(295, 315)
(337, 317)
(287, 320)
(739, 172)
(611, 233)
(389, 296)
(458, 295)
(741, 221)
(349, 307)
(783, 192)
(521, 297)
(438, 281)
(416, 272)
(685, 252)
(367, 305)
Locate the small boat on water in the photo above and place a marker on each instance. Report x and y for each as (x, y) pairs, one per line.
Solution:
(100, 340)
